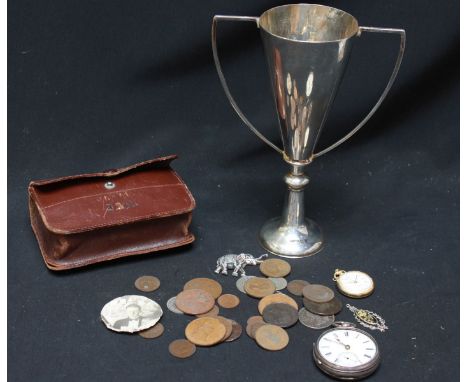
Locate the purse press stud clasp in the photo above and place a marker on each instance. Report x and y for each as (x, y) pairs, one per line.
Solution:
(109, 185)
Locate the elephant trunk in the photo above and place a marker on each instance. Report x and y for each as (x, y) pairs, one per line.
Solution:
(259, 259)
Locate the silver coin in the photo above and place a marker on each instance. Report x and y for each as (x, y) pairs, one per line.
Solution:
(280, 282)
(171, 305)
(315, 321)
(241, 282)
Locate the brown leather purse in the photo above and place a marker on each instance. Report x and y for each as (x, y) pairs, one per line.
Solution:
(84, 219)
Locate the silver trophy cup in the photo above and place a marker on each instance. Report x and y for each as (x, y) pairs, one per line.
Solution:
(307, 47)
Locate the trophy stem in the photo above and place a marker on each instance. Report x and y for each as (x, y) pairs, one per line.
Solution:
(292, 234)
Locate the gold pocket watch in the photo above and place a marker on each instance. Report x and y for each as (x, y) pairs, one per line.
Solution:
(354, 284)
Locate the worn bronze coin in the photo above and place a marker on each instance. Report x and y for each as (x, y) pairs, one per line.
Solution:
(295, 287)
(227, 325)
(276, 298)
(228, 301)
(254, 319)
(153, 332)
(259, 287)
(182, 348)
(252, 328)
(236, 331)
(271, 337)
(205, 331)
(318, 293)
(283, 315)
(211, 286)
(275, 268)
(194, 301)
(325, 308)
(147, 283)
(211, 313)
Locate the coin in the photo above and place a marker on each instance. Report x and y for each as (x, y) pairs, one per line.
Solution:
(275, 268)
(254, 319)
(315, 321)
(240, 282)
(280, 282)
(211, 313)
(171, 305)
(295, 287)
(211, 286)
(236, 331)
(182, 348)
(271, 337)
(228, 325)
(276, 298)
(194, 301)
(153, 332)
(252, 329)
(147, 283)
(318, 293)
(259, 287)
(228, 301)
(323, 309)
(205, 331)
(280, 314)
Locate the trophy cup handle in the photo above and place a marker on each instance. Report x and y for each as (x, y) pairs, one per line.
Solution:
(223, 79)
(402, 34)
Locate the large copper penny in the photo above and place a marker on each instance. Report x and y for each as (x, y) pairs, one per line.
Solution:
(194, 301)
(283, 315)
(259, 287)
(147, 283)
(205, 331)
(228, 326)
(153, 332)
(182, 348)
(318, 293)
(211, 313)
(211, 286)
(254, 319)
(325, 308)
(271, 337)
(252, 328)
(236, 331)
(275, 299)
(228, 301)
(275, 268)
(295, 287)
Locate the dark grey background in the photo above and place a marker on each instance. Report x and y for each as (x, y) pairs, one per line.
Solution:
(101, 84)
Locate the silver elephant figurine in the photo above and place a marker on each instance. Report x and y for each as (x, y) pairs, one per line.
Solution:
(237, 263)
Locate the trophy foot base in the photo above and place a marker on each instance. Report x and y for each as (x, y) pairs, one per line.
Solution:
(291, 241)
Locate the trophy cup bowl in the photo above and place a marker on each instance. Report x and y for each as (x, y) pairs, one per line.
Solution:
(307, 47)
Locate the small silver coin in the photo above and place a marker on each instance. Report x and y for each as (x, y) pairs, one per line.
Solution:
(280, 282)
(315, 321)
(241, 282)
(171, 305)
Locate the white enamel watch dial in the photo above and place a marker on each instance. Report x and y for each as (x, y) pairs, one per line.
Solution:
(346, 352)
(354, 284)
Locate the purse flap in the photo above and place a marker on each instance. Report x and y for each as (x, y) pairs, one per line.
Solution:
(84, 202)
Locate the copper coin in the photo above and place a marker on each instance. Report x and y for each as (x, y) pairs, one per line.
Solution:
(211, 286)
(254, 319)
(271, 337)
(147, 283)
(228, 301)
(275, 268)
(211, 313)
(259, 287)
(153, 332)
(194, 301)
(325, 308)
(228, 326)
(318, 293)
(274, 299)
(282, 315)
(252, 329)
(205, 331)
(182, 348)
(295, 287)
(236, 331)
